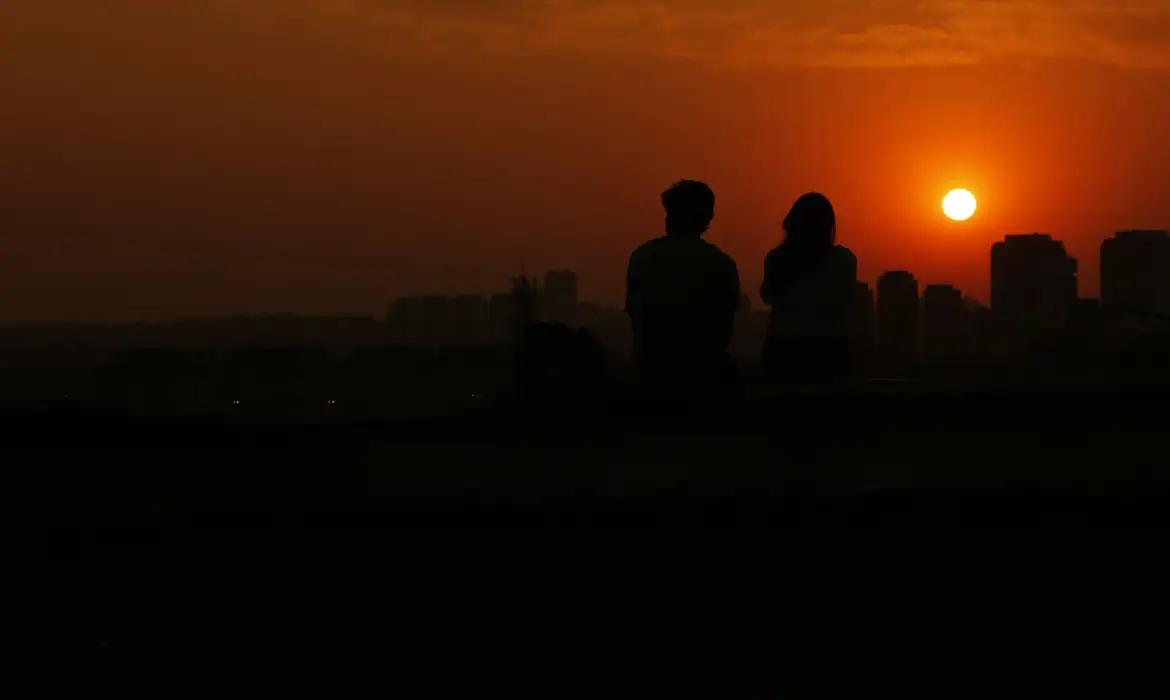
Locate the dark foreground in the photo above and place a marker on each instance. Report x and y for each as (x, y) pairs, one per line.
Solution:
(784, 545)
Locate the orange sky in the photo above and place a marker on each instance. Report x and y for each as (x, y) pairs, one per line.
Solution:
(217, 156)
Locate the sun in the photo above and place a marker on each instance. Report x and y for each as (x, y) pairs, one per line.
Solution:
(959, 205)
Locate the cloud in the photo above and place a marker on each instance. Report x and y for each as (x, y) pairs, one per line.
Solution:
(862, 33)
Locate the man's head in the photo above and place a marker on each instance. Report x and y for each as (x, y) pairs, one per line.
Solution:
(690, 206)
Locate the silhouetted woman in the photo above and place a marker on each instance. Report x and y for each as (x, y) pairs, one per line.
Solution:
(809, 281)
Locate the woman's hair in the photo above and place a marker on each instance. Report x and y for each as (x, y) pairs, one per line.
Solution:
(810, 234)
(811, 224)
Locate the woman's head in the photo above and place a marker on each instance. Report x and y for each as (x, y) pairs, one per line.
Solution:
(811, 222)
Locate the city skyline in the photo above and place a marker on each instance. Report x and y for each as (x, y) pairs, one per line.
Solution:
(261, 155)
(377, 307)
(899, 317)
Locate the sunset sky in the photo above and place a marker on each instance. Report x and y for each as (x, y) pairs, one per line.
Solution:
(178, 157)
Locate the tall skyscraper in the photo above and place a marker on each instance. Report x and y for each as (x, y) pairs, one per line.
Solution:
(944, 322)
(1033, 285)
(528, 302)
(1135, 272)
(897, 312)
(560, 297)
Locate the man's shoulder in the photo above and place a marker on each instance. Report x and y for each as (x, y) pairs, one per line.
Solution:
(716, 253)
(687, 252)
(647, 249)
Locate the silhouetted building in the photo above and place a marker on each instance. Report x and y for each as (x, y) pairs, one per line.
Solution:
(502, 317)
(861, 316)
(862, 328)
(560, 297)
(407, 321)
(897, 314)
(438, 319)
(981, 328)
(527, 303)
(469, 319)
(1087, 318)
(1135, 272)
(1033, 285)
(944, 322)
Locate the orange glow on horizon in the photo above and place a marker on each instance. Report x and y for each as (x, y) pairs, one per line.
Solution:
(172, 160)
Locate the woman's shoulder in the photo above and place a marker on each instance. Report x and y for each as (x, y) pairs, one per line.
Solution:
(774, 254)
(840, 265)
(842, 258)
(842, 253)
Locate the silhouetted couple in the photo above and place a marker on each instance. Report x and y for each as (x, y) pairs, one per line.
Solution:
(682, 294)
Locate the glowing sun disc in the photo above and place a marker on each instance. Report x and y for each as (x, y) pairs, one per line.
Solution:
(959, 205)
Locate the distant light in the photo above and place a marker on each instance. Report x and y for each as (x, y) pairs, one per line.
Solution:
(236, 402)
(476, 396)
(332, 402)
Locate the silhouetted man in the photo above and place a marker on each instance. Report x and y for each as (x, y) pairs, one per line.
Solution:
(682, 292)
